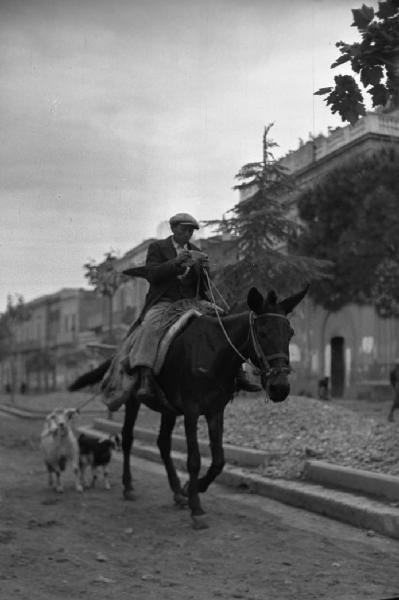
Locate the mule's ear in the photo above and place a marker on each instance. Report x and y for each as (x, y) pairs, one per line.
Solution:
(255, 300)
(290, 303)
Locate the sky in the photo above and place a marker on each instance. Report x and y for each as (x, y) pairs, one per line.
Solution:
(116, 115)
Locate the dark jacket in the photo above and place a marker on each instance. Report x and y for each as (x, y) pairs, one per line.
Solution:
(162, 273)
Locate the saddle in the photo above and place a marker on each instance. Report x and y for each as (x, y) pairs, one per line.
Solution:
(170, 335)
(115, 380)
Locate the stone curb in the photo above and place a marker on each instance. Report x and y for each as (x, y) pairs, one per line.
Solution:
(34, 414)
(26, 414)
(363, 512)
(235, 455)
(355, 480)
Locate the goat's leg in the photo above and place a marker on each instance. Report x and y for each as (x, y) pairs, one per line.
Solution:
(76, 468)
(93, 476)
(131, 410)
(164, 443)
(106, 478)
(58, 485)
(50, 473)
(76, 473)
(215, 430)
(83, 469)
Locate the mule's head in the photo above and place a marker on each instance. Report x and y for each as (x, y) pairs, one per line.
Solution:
(271, 333)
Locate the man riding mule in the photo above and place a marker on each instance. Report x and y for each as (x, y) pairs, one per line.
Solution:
(175, 269)
(200, 368)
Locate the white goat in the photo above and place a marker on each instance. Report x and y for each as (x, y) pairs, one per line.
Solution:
(60, 447)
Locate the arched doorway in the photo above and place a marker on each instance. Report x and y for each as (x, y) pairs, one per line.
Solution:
(337, 366)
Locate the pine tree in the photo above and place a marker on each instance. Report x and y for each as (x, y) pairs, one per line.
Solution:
(262, 226)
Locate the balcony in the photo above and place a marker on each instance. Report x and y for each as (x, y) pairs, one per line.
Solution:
(385, 125)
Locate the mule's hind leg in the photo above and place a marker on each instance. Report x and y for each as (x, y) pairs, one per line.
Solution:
(215, 430)
(131, 410)
(164, 442)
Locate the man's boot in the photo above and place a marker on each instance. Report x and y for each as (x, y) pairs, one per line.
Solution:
(146, 390)
(125, 364)
(244, 384)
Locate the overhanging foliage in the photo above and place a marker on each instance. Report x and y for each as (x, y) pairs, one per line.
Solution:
(352, 219)
(375, 59)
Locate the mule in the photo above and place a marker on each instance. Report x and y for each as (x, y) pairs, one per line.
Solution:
(198, 377)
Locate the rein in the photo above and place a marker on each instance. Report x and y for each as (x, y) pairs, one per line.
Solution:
(82, 404)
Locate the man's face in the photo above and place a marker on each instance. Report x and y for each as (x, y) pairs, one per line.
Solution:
(182, 233)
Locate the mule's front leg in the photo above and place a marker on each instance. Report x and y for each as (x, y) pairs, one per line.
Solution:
(164, 442)
(193, 468)
(131, 410)
(215, 430)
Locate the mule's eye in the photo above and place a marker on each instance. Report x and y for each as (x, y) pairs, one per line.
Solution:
(291, 332)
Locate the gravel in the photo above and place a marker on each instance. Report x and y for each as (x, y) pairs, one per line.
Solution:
(301, 429)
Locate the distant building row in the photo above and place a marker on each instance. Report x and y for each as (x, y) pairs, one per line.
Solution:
(353, 347)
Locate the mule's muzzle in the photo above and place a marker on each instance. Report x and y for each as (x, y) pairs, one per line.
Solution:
(277, 387)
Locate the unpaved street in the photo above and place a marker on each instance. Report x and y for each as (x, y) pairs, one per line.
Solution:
(98, 546)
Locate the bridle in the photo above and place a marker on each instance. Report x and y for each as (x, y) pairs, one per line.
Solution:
(264, 365)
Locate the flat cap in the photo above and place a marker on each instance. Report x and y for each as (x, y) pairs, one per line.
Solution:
(183, 219)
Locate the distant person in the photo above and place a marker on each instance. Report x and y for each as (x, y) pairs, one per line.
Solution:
(394, 379)
(323, 389)
(23, 388)
(8, 388)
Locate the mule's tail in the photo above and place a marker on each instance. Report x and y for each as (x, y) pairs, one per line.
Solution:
(91, 377)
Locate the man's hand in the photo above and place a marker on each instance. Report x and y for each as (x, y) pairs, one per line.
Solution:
(185, 259)
(200, 258)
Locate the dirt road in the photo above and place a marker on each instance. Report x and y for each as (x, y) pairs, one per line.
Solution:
(97, 546)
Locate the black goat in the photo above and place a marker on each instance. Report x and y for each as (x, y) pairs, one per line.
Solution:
(94, 453)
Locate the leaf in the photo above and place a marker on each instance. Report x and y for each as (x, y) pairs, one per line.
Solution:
(341, 60)
(379, 95)
(387, 9)
(362, 17)
(371, 75)
(322, 91)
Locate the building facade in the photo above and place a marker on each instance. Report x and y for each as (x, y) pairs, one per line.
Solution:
(354, 347)
(50, 345)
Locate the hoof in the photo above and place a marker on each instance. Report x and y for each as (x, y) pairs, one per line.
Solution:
(128, 495)
(180, 500)
(200, 522)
